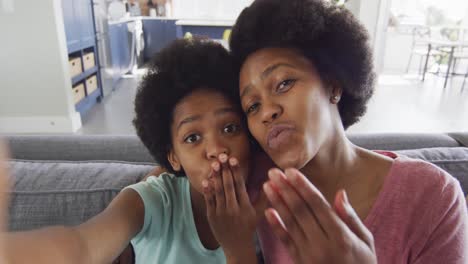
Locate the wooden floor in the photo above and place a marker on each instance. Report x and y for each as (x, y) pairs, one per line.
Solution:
(400, 104)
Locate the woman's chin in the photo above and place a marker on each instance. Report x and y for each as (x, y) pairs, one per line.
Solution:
(287, 162)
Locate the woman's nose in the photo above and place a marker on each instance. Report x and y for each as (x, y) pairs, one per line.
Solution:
(270, 112)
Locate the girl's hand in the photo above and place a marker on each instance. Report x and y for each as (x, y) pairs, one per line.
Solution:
(310, 228)
(231, 215)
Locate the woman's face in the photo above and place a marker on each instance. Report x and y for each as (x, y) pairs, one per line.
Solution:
(287, 106)
(206, 124)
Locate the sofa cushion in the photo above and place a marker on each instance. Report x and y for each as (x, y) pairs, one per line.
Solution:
(452, 160)
(66, 193)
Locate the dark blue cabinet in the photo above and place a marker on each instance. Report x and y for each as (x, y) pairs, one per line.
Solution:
(72, 29)
(79, 24)
(158, 33)
(120, 47)
(78, 20)
(86, 21)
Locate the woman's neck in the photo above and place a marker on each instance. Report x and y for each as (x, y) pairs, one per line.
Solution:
(333, 165)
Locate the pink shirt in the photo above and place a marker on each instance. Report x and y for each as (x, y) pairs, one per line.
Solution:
(420, 216)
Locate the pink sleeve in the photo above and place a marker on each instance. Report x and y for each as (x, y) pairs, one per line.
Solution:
(448, 240)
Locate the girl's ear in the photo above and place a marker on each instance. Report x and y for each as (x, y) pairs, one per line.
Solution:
(174, 161)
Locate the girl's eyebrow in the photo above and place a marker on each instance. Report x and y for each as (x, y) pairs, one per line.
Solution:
(189, 119)
(264, 75)
(225, 110)
(220, 111)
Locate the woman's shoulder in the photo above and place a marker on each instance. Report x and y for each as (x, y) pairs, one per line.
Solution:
(419, 175)
(418, 184)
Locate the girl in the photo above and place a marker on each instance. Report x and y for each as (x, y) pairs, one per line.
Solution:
(187, 116)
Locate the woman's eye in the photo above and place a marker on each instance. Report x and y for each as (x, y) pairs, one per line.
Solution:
(192, 138)
(252, 108)
(231, 128)
(285, 85)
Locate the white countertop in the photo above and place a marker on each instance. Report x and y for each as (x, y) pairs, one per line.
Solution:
(181, 22)
(205, 22)
(135, 18)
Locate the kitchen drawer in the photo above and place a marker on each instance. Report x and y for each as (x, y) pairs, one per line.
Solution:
(75, 66)
(91, 84)
(88, 60)
(78, 93)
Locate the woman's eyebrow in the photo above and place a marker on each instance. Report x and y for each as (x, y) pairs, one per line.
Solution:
(265, 74)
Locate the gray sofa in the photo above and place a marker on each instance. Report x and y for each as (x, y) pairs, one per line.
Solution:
(65, 180)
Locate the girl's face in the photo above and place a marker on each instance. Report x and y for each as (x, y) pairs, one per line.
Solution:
(206, 124)
(287, 106)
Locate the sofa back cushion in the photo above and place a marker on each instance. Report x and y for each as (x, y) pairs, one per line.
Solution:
(66, 193)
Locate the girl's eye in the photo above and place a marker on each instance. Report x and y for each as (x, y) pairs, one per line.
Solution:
(192, 138)
(285, 85)
(252, 108)
(231, 128)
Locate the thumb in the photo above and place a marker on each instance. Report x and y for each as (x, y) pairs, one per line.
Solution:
(346, 212)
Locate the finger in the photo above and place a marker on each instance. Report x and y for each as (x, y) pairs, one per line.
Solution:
(280, 231)
(218, 187)
(332, 225)
(300, 211)
(346, 212)
(209, 199)
(228, 182)
(239, 183)
(4, 186)
(287, 218)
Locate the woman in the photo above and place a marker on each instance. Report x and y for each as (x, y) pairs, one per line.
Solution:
(306, 75)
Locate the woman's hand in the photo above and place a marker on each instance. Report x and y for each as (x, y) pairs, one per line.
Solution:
(231, 215)
(310, 228)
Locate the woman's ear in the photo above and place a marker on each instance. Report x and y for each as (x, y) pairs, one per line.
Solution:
(174, 161)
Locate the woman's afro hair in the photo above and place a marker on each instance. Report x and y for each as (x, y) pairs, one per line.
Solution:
(328, 35)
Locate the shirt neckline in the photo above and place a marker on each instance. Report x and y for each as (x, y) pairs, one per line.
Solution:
(384, 194)
(195, 239)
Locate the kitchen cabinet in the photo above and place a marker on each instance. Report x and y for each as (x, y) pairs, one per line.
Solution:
(120, 46)
(80, 33)
(157, 33)
(79, 24)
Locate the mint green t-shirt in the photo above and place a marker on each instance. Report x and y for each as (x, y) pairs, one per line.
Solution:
(169, 234)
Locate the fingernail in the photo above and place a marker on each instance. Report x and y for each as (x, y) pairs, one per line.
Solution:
(223, 158)
(267, 188)
(215, 166)
(345, 197)
(290, 175)
(205, 184)
(233, 162)
(273, 174)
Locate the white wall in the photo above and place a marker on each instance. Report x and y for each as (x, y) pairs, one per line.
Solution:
(35, 85)
(374, 15)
